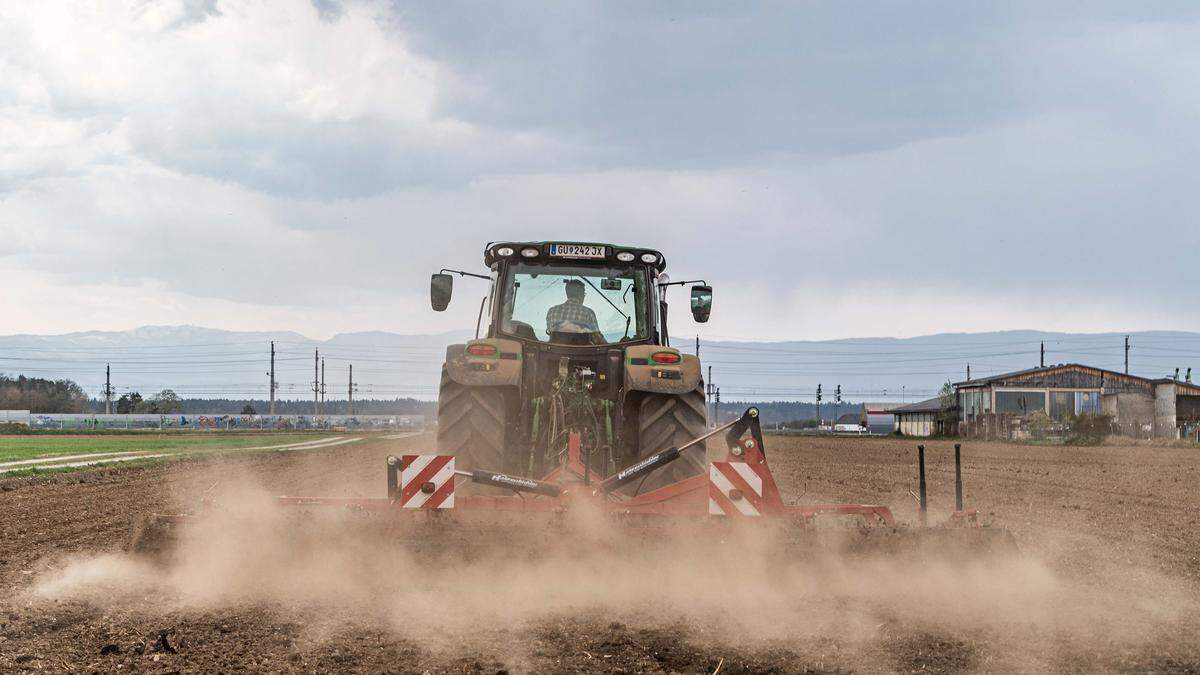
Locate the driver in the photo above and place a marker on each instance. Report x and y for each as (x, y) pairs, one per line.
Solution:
(572, 316)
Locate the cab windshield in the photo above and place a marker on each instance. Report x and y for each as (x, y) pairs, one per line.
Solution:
(581, 304)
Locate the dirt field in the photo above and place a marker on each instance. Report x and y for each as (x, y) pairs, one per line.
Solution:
(1109, 577)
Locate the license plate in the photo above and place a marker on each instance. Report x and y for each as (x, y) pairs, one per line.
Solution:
(576, 251)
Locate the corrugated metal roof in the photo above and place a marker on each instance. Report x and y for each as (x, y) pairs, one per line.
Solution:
(929, 405)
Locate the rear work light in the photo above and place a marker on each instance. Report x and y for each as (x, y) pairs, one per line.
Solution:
(626, 256)
(649, 258)
(665, 357)
(504, 251)
(481, 350)
(529, 252)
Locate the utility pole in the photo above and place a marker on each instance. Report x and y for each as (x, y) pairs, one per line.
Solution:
(350, 393)
(316, 382)
(968, 372)
(837, 405)
(1126, 354)
(1042, 363)
(322, 385)
(818, 406)
(697, 345)
(717, 408)
(108, 390)
(271, 410)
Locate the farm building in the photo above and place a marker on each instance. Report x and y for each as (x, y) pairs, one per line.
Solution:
(921, 419)
(850, 423)
(880, 419)
(1141, 407)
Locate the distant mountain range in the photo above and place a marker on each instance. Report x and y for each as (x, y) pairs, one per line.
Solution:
(209, 363)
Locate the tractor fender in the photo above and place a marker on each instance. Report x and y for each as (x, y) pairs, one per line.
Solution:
(499, 366)
(642, 373)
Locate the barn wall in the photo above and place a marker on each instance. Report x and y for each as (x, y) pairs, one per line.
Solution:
(916, 424)
(1131, 411)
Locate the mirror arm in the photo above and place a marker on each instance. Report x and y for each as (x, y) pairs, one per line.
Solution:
(466, 274)
(681, 283)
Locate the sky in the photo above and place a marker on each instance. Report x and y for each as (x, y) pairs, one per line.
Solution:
(889, 169)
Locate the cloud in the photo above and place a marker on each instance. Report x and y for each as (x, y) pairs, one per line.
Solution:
(902, 170)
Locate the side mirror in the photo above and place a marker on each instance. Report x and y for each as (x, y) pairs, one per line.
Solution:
(701, 303)
(441, 287)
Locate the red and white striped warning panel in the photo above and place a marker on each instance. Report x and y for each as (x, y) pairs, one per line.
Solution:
(734, 489)
(427, 481)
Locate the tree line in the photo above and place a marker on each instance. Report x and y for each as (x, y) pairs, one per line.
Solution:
(39, 395)
(166, 402)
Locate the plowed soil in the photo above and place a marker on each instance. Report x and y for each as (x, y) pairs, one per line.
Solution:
(1108, 578)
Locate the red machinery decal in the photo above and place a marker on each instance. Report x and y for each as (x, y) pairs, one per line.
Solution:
(743, 485)
(427, 481)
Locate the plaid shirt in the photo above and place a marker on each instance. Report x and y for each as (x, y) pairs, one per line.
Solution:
(574, 312)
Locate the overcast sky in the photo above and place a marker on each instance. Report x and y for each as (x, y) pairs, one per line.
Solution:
(895, 169)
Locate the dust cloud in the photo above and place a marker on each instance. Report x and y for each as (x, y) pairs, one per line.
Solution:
(448, 583)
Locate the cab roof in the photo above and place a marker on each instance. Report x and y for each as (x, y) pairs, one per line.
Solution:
(552, 251)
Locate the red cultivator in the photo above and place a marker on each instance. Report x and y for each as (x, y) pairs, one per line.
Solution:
(738, 487)
(427, 489)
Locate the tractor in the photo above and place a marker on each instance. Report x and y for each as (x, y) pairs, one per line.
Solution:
(574, 398)
(576, 342)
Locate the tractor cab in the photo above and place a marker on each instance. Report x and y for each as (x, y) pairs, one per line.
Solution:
(575, 294)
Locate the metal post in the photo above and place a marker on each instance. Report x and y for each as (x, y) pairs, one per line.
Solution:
(922, 495)
(958, 499)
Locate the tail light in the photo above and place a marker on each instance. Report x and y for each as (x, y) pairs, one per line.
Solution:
(665, 357)
(481, 350)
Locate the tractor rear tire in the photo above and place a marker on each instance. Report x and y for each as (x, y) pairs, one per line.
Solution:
(671, 420)
(472, 424)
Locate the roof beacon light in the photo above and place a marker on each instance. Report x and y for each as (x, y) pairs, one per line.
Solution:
(649, 257)
(505, 251)
(626, 256)
(529, 252)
